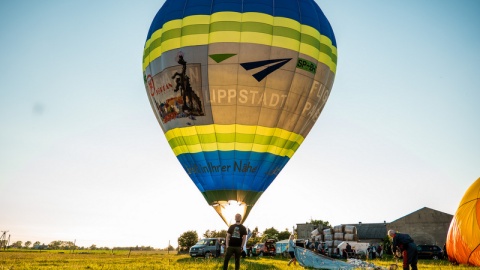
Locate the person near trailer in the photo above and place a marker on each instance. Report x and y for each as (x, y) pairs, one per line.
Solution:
(373, 254)
(291, 250)
(380, 251)
(348, 251)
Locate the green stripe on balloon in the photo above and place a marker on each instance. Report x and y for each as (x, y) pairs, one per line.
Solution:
(233, 138)
(248, 197)
(221, 57)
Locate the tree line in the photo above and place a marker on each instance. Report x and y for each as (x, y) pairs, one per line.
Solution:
(68, 245)
(185, 241)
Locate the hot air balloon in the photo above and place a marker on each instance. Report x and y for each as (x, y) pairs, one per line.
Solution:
(463, 238)
(236, 86)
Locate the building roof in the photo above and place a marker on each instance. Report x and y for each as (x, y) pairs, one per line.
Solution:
(425, 215)
(370, 230)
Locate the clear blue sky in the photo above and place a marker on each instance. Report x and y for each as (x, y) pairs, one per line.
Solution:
(83, 158)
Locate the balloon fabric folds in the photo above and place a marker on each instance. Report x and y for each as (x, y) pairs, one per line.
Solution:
(463, 238)
(236, 86)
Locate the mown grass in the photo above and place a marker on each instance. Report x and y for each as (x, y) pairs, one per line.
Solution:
(159, 260)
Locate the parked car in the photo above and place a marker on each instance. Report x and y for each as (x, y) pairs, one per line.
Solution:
(208, 247)
(257, 249)
(269, 248)
(300, 243)
(429, 252)
(266, 248)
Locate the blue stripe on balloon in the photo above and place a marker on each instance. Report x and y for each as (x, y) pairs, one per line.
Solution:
(262, 6)
(217, 170)
(304, 11)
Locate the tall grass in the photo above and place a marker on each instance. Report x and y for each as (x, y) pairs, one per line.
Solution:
(159, 260)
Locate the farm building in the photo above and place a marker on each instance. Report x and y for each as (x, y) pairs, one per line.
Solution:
(425, 226)
(372, 233)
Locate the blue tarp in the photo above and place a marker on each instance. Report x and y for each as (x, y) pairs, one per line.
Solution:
(307, 258)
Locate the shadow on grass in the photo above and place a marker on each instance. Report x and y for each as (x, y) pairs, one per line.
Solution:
(252, 263)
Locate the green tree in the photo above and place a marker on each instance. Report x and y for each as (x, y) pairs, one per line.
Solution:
(209, 234)
(17, 244)
(67, 245)
(270, 233)
(55, 244)
(320, 223)
(27, 244)
(222, 233)
(215, 234)
(255, 238)
(187, 240)
(284, 234)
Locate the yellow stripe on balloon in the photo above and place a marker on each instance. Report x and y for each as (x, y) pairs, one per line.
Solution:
(308, 30)
(245, 129)
(224, 36)
(243, 146)
(191, 149)
(257, 38)
(287, 23)
(209, 147)
(173, 24)
(324, 58)
(188, 146)
(197, 148)
(195, 40)
(327, 41)
(265, 131)
(257, 17)
(286, 43)
(208, 129)
(172, 43)
(197, 19)
(226, 146)
(227, 16)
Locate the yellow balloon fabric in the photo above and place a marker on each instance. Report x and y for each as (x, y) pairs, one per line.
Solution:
(463, 239)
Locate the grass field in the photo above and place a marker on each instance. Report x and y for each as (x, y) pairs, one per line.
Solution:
(155, 260)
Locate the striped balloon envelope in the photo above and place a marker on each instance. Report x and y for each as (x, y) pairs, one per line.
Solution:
(236, 86)
(463, 238)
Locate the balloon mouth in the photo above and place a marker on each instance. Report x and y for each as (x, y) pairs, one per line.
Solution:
(228, 209)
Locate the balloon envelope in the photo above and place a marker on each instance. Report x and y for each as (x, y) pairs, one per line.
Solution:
(463, 239)
(236, 86)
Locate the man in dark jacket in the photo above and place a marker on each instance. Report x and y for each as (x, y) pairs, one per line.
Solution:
(407, 247)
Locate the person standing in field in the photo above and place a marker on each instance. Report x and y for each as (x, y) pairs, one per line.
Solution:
(380, 251)
(291, 250)
(222, 249)
(234, 242)
(405, 244)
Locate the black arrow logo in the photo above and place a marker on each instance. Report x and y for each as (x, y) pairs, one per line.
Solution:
(278, 63)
